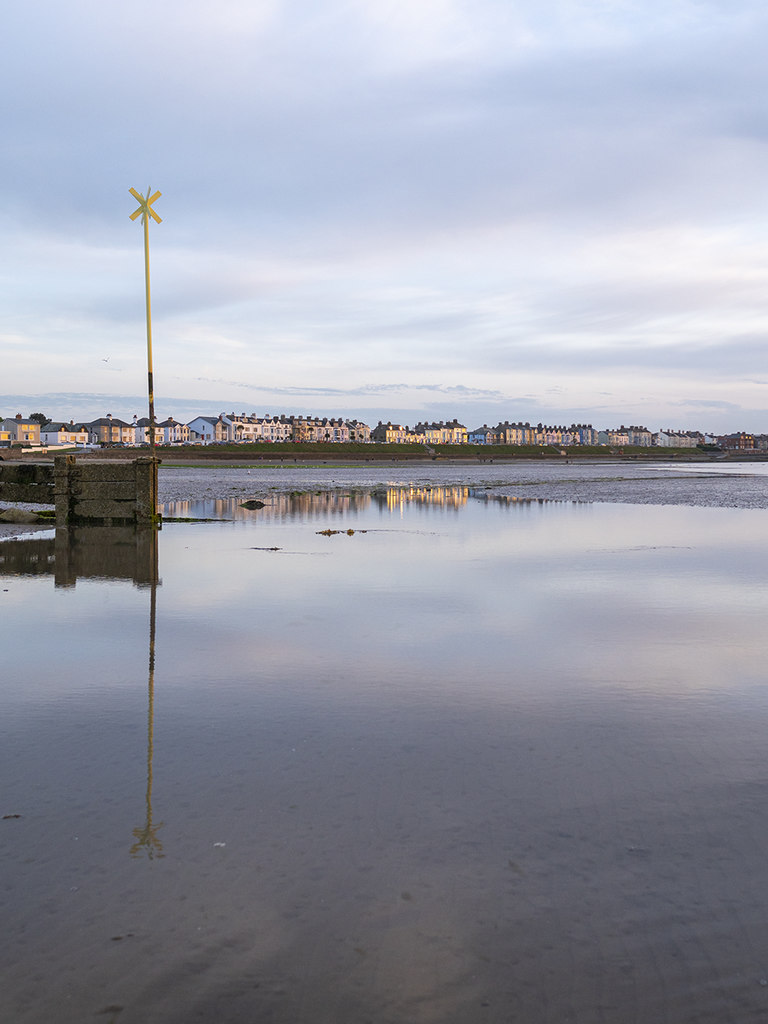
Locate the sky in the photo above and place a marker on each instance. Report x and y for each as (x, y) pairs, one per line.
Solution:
(543, 210)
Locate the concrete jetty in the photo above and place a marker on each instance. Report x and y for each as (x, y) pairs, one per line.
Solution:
(98, 492)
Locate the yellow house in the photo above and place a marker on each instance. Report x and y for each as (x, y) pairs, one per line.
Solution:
(19, 430)
(390, 433)
(110, 430)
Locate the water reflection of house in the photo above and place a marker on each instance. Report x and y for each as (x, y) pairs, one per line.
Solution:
(321, 504)
(446, 497)
(276, 506)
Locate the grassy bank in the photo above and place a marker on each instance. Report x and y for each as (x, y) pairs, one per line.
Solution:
(353, 452)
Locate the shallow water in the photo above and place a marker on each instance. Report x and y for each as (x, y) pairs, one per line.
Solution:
(735, 485)
(478, 759)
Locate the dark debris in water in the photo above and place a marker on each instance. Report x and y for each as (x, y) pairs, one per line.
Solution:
(331, 533)
(193, 519)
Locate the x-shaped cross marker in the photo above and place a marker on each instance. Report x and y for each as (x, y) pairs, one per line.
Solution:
(145, 206)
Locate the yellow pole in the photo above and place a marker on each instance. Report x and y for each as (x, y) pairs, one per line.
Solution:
(145, 211)
(150, 382)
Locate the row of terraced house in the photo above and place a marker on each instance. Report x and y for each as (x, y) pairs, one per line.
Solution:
(232, 428)
(110, 430)
(541, 434)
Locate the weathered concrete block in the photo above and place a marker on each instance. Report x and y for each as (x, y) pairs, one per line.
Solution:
(105, 491)
(41, 493)
(102, 472)
(95, 490)
(103, 508)
(26, 481)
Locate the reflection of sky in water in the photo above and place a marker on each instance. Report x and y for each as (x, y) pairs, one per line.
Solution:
(730, 468)
(426, 594)
(541, 587)
(464, 709)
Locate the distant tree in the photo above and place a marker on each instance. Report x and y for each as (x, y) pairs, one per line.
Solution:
(39, 417)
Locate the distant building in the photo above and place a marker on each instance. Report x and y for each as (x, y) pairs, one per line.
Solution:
(64, 433)
(389, 433)
(210, 429)
(276, 428)
(617, 438)
(18, 430)
(452, 432)
(584, 433)
(513, 433)
(737, 442)
(480, 435)
(172, 432)
(677, 439)
(358, 431)
(109, 430)
(640, 437)
(167, 431)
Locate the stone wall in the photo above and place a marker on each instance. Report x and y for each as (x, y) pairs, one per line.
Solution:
(83, 492)
(26, 481)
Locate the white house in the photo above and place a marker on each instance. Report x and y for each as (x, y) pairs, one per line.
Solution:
(209, 429)
(64, 433)
(170, 431)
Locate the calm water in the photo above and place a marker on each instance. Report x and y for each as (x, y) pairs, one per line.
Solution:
(714, 484)
(480, 758)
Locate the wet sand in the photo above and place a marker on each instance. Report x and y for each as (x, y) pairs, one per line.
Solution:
(585, 870)
(732, 486)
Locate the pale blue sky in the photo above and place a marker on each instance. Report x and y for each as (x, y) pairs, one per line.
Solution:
(545, 209)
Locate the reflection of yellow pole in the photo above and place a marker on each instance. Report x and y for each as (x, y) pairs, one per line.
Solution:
(146, 836)
(146, 211)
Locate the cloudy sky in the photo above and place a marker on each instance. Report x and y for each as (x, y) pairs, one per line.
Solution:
(393, 209)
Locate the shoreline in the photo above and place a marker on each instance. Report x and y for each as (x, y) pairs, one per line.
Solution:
(357, 454)
(650, 481)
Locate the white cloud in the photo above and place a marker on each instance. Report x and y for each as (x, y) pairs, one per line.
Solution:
(555, 199)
